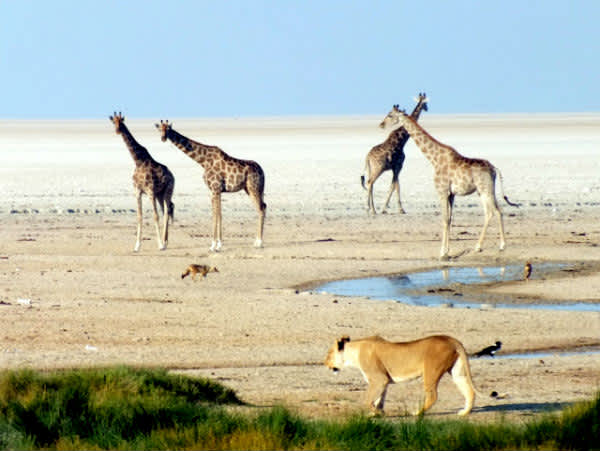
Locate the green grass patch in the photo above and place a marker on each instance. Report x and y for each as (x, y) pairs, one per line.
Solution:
(144, 409)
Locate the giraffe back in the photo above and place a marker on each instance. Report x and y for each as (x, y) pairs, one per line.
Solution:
(230, 174)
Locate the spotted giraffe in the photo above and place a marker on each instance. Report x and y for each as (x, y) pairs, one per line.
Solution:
(222, 174)
(150, 178)
(454, 175)
(389, 155)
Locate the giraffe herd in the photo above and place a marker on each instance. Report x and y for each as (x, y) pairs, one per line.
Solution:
(454, 175)
(389, 155)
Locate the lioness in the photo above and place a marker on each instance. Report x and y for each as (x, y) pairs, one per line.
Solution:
(383, 362)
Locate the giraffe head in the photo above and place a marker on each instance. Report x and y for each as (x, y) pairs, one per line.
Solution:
(163, 128)
(118, 120)
(393, 117)
(421, 102)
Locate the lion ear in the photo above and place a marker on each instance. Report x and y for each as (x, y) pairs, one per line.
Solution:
(342, 342)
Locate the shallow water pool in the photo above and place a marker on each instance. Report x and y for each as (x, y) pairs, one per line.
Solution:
(402, 288)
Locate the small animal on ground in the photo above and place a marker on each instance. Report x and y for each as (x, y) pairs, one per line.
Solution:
(383, 362)
(527, 271)
(489, 350)
(203, 270)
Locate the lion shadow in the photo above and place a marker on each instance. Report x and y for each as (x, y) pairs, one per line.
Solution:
(531, 407)
(535, 407)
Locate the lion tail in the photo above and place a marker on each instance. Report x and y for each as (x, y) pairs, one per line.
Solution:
(464, 356)
(461, 375)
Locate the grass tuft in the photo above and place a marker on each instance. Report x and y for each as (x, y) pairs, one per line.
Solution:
(143, 409)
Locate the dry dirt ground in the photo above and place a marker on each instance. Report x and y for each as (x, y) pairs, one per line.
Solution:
(74, 294)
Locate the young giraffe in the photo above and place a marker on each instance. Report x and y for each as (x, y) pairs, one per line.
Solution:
(454, 175)
(222, 174)
(153, 179)
(389, 155)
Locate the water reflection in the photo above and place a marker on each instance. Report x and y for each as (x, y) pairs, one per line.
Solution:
(438, 287)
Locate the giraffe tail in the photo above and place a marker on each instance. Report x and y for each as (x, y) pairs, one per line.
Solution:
(171, 211)
(366, 172)
(512, 204)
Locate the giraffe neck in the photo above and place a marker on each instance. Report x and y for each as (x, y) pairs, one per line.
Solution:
(417, 111)
(424, 141)
(195, 150)
(137, 151)
(399, 136)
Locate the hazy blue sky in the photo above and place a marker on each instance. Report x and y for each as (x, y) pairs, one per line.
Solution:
(158, 59)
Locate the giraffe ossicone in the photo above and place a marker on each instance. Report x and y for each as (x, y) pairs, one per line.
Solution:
(222, 174)
(454, 175)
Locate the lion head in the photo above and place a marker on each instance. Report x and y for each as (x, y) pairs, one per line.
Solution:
(335, 356)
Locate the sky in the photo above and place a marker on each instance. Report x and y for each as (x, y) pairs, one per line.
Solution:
(84, 59)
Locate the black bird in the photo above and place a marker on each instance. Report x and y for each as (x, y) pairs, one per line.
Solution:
(490, 350)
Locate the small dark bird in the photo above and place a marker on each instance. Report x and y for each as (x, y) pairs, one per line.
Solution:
(527, 271)
(490, 350)
(203, 270)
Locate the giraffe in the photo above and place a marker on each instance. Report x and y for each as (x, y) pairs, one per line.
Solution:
(454, 175)
(222, 174)
(150, 178)
(389, 155)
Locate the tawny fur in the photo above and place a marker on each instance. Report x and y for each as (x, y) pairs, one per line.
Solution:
(383, 362)
(203, 270)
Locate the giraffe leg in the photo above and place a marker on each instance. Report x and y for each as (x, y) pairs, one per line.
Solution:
(261, 226)
(370, 202)
(488, 202)
(138, 241)
(396, 173)
(374, 175)
(161, 245)
(165, 236)
(447, 204)
(500, 226)
(400, 207)
(262, 210)
(389, 196)
(219, 225)
(216, 216)
(368, 187)
(167, 209)
(395, 186)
